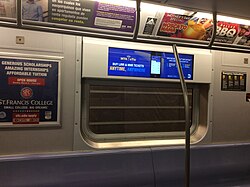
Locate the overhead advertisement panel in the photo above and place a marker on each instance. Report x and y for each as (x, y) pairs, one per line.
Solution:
(200, 28)
(7, 8)
(82, 13)
(29, 92)
(121, 16)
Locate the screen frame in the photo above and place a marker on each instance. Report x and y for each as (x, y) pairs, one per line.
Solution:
(152, 53)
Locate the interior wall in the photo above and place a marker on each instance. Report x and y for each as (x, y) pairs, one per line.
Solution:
(43, 139)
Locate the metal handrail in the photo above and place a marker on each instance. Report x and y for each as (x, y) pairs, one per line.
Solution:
(19, 14)
(187, 117)
(214, 29)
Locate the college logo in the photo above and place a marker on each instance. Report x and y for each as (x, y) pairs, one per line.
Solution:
(26, 93)
(48, 115)
(2, 115)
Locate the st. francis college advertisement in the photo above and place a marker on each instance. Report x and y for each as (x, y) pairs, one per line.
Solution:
(29, 91)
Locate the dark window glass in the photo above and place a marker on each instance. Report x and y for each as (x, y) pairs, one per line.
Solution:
(117, 109)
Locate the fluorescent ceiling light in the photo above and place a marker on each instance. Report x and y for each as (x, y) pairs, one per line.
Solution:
(158, 8)
(203, 15)
(233, 20)
(127, 3)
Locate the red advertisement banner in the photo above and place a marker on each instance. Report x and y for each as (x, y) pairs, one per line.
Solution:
(173, 25)
(26, 81)
(25, 118)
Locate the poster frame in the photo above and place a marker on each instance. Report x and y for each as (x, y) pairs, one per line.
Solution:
(57, 59)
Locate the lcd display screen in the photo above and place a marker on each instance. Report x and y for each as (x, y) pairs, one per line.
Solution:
(155, 65)
(128, 62)
(170, 70)
(140, 63)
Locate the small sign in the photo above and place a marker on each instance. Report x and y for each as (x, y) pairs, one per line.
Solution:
(233, 81)
(149, 26)
(245, 60)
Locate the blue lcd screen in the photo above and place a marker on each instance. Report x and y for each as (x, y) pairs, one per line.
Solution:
(170, 70)
(155, 65)
(128, 62)
(139, 63)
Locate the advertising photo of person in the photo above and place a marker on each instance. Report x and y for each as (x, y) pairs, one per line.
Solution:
(241, 37)
(2, 9)
(248, 40)
(31, 10)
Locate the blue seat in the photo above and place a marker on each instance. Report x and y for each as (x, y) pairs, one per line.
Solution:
(211, 165)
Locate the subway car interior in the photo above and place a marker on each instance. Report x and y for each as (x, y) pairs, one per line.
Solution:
(124, 93)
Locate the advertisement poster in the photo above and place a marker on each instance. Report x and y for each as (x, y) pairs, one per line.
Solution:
(173, 25)
(114, 17)
(83, 13)
(231, 33)
(183, 26)
(243, 36)
(8, 8)
(226, 32)
(202, 29)
(193, 27)
(29, 91)
(35, 10)
(78, 13)
(199, 29)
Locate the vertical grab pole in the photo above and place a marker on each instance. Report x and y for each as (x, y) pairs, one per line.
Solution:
(214, 29)
(19, 13)
(187, 125)
(138, 19)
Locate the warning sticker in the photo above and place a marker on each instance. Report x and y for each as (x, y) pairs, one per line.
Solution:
(150, 25)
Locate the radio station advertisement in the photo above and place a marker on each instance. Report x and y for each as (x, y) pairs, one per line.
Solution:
(7, 8)
(83, 13)
(29, 92)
